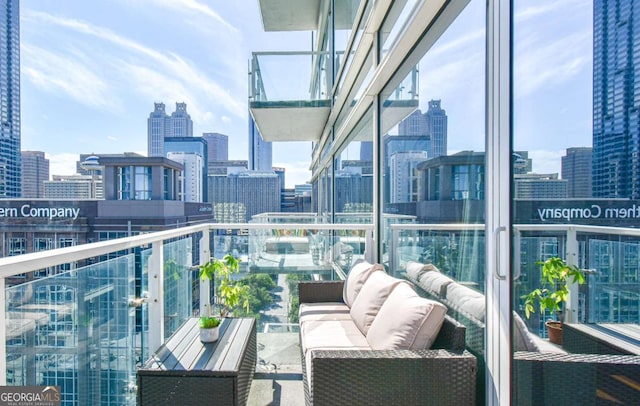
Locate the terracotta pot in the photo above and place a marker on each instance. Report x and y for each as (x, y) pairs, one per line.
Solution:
(209, 335)
(554, 328)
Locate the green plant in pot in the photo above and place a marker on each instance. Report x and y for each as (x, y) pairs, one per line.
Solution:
(553, 293)
(228, 293)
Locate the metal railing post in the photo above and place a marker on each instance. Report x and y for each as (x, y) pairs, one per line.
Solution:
(3, 334)
(205, 285)
(156, 296)
(572, 258)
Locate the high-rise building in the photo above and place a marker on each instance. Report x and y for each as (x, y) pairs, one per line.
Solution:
(217, 145)
(539, 186)
(260, 155)
(161, 126)
(10, 166)
(576, 170)
(156, 130)
(436, 119)
(35, 170)
(403, 176)
(245, 194)
(191, 145)
(223, 168)
(366, 151)
(192, 177)
(181, 124)
(414, 124)
(430, 128)
(616, 121)
(73, 187)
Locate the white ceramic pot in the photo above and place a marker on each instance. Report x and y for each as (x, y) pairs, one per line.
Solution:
(209, 335)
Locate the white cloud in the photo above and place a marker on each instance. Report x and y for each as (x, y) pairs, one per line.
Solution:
(532, 11)
(181, 79)
(295, 173)
(540, 66)
(59, 73)
(545, 161)
(62, 164)
(194, 6)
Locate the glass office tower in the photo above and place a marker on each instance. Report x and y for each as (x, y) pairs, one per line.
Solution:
(10, 167)
(616, 119)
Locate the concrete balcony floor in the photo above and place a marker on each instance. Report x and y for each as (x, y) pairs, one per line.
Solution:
(278, 377)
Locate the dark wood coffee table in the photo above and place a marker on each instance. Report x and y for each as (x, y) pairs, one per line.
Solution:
(185, 371)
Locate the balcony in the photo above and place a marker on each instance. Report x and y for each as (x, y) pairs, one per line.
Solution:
(87, 329)
(289, 96)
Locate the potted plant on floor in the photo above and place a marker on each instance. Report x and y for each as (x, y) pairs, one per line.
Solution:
(553, 293)
(228, 293)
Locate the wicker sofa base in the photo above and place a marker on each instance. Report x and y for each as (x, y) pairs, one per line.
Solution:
(429, 377)
(444, 375)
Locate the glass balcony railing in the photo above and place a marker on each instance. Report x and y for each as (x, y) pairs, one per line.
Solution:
(610, 256)
(283, 77)
(88, 329)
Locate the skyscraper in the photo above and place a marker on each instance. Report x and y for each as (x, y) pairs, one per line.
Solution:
(35, 170)
(403, 176)
(10, 166)
(161, 126)
(191, 145)
(616, 118)
(436, 119)
(181, 123)
(576, 170)
(260, 156)
(414, 124)
(191, 188)
(430, 127)
(217, 145)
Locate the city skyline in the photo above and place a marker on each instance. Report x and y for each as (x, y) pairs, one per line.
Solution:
(90, 76)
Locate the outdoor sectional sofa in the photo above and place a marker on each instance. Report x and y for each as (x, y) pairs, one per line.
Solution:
(372, 340)
(542, 372)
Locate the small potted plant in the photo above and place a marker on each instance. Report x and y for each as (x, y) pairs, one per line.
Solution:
(553, 293)
(209, 328)
(228, 293)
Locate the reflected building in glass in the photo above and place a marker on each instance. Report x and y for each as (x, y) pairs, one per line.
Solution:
(616, 119)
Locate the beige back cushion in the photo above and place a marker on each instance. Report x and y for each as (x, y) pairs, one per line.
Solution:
(371, 297)
(358, 275)
(467, 300)
(415, 270)
(524, 340)
(406, 321)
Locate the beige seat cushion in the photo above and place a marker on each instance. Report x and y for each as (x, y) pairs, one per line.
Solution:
(334, 334)
(371, 297)
(406, 321)
(323, 311)
(358, 275)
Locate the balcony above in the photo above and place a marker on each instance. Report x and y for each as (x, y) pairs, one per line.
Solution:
(290, 121)
(289, 95)
(303, 15)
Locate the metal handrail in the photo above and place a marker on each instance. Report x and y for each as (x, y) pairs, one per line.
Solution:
(15, 265)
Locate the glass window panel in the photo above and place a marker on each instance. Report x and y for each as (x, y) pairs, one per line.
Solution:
(575, 119)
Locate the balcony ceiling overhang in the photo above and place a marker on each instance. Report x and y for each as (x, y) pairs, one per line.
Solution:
(290, 121)
(303, 15)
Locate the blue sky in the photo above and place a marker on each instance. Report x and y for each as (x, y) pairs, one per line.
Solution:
(91, 71)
